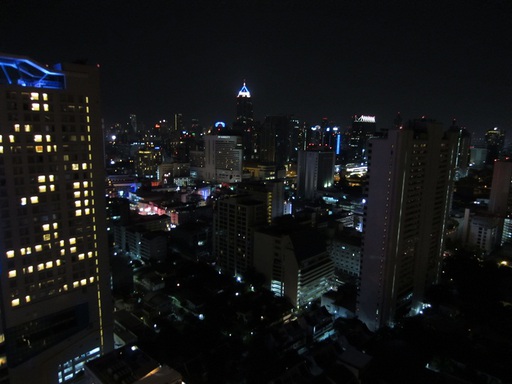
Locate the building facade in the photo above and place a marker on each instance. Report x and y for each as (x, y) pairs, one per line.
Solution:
(56, 310)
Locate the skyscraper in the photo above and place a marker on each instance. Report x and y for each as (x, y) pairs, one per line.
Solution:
(463, 150)
(363, 128)
(55, 285)
(275, 141)
(410, 183)
(244, 123)
(500, 201)
(315, 171)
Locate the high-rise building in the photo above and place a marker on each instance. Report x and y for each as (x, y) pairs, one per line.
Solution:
(234, 221)
(410, 176)
(275, 141)
(495, 141)
(500, 201)
(244, 123)
(222, 159)
(463, 150)
(362, 129)
(315, 171)
(271, 192)
(56, 310)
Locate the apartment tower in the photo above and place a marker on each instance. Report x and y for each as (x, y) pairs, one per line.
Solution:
(408, 199)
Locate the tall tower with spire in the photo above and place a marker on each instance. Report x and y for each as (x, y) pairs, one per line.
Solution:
(244, 112)
(244, 123)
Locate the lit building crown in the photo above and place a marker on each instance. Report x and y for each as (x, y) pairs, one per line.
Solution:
(244, 92)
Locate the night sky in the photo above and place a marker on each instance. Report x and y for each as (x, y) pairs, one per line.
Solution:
(312, 59)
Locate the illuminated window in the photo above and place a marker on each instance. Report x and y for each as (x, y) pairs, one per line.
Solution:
(34, 96)
(11, 139)
(28, 128)
(84, 165)
(23, 201)
(78, 212)
(27, 298)
(9, 254)
(15, 302)
(87, 211)
(39, 148)
(89, 254)
(12, 274)
(62, 252)
(46, 227)
(51, 178)
(66, 157)
(30, 269)
(72, 240)
(76, 185)
(86, 184)
(46, 107)
(75, 167)
(72, 250)
(76, 284)
(78, 203)
(87, 99)
(55, 225)
(91, 279)
(55, 235)
(1, 149)
(45, 96)
(42, 188)
(62, 243)
(1, 138)
(40, 267)
(49, 264)
(52, 187)
(39, 248)
(49, 148)
(41, 179)
(77, 194)
(47, 237)
(36, 107)
(34, 199)
(58, 262)
(83, 282)
(16, 127)
(48, 138)
(38, 138)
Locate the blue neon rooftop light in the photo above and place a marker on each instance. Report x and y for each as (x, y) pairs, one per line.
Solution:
(27, 73)
(244, 92)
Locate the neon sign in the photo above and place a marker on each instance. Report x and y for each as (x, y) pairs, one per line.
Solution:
(364, 119)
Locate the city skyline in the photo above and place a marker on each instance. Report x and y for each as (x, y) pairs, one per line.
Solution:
(310, 59)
